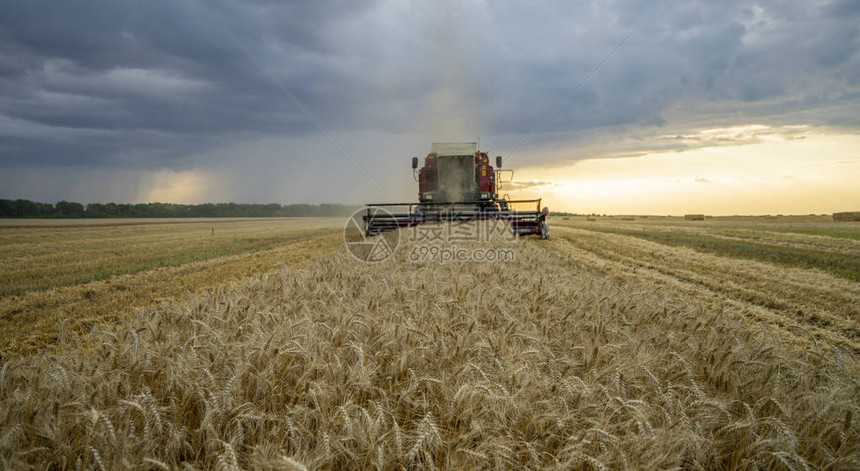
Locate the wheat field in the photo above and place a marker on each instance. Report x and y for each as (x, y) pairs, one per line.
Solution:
(590, 351)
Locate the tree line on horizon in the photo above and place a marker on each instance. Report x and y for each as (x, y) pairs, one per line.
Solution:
(22, 208)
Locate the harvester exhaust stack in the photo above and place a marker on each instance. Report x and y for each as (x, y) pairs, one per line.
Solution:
(458, 184)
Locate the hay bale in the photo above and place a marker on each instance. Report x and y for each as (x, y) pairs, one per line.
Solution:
(847, 216)
(628, 219)
(590, 219)
(694, 217)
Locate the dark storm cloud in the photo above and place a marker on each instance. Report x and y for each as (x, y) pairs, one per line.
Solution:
(720, 52)
(154, 85)
(700, 65)
(155, 77)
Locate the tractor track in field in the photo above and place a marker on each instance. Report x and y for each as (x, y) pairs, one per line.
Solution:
(805, 306)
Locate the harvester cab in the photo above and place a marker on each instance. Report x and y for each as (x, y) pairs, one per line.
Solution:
(457, 183)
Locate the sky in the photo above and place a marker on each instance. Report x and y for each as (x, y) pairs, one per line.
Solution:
(722, 107)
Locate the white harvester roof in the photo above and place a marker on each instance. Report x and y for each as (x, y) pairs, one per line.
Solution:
(454, 148)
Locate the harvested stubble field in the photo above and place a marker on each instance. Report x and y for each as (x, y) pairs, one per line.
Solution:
(96, 270)
(596, 350)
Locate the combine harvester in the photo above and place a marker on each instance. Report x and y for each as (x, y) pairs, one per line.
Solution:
(457, 184)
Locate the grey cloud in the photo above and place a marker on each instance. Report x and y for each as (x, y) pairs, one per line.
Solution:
(160, 85)
(835, 45)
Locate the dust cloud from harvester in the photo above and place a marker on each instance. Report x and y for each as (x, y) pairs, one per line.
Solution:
(450, 111)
